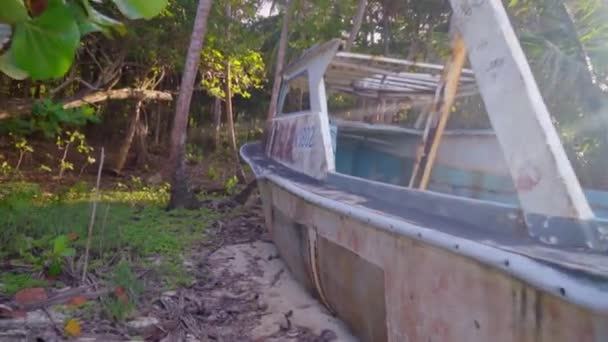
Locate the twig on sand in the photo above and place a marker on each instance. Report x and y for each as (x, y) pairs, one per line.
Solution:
(53, 323)
(276, 277)
(103, 228)
(92, 221)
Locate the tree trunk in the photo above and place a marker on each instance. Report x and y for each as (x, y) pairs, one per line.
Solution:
(230, 120)
(181, 196)
(228, 100)
(157, 128)
(217, 120)
(123, 152)
(357, 21)
(142, 145)
(272, 107)
(386, 30)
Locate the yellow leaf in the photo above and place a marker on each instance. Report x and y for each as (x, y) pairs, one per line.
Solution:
(72, 328)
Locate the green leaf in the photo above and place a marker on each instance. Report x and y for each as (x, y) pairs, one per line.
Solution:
(107, 24)
(85, 25)
(13, 11)
(137, 9)
(45, 46)
(60, 244)
(68, 252)
(90, 20)
(8, 67)
(55, 268)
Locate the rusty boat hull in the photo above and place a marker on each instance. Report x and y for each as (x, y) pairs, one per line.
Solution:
(391, 278)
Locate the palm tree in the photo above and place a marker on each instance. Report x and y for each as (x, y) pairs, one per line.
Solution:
(181, 196)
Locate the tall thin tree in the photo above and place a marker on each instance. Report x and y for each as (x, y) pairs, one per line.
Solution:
(181, 195)
(228, 97)
(278, 70)
(357, 21)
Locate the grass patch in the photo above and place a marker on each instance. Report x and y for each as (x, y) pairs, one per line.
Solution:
(131, 223)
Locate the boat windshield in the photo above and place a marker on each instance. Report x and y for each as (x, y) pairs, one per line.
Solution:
(520, 129)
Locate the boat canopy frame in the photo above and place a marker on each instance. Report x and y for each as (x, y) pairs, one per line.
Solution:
(546, 184)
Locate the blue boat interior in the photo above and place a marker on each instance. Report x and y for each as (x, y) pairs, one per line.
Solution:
(369, 159)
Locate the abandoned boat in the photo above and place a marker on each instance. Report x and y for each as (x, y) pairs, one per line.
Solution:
(422, 233)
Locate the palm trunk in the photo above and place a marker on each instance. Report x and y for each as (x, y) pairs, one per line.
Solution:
(181, 196)
(357, 21)
(272, 108)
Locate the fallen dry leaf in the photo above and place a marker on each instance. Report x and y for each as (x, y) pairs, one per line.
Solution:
(77, 301)
(72, 328)
(121, 294)
(73, 236)
(33, 295)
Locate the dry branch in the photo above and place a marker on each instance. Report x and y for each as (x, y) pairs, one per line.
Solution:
(22, 107)
(93, 215)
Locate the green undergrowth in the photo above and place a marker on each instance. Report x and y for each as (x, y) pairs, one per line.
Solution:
(13, 282)
(39, 228)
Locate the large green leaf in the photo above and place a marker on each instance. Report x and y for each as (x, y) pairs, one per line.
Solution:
(90, 20)
(137, 9)
(13, 11)
(45, 46)
(8, 67)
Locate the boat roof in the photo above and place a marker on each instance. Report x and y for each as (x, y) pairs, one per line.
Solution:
(389, 78)
(375, 76)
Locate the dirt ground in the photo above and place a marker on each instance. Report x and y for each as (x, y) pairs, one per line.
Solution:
(242, 291)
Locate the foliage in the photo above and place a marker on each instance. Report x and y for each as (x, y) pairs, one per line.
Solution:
(64, 143)
(212, 173)
(11, 283)
(565, 42)
(124, 278)
(247, 69)
(194, 154)
(22, 145)
(50, 119)
(231, 185)
(46, 33)
(120, 304)
(6, 169)
(54, 257)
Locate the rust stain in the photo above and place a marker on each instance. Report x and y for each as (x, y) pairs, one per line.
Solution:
(528, 177)
(282, 146)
